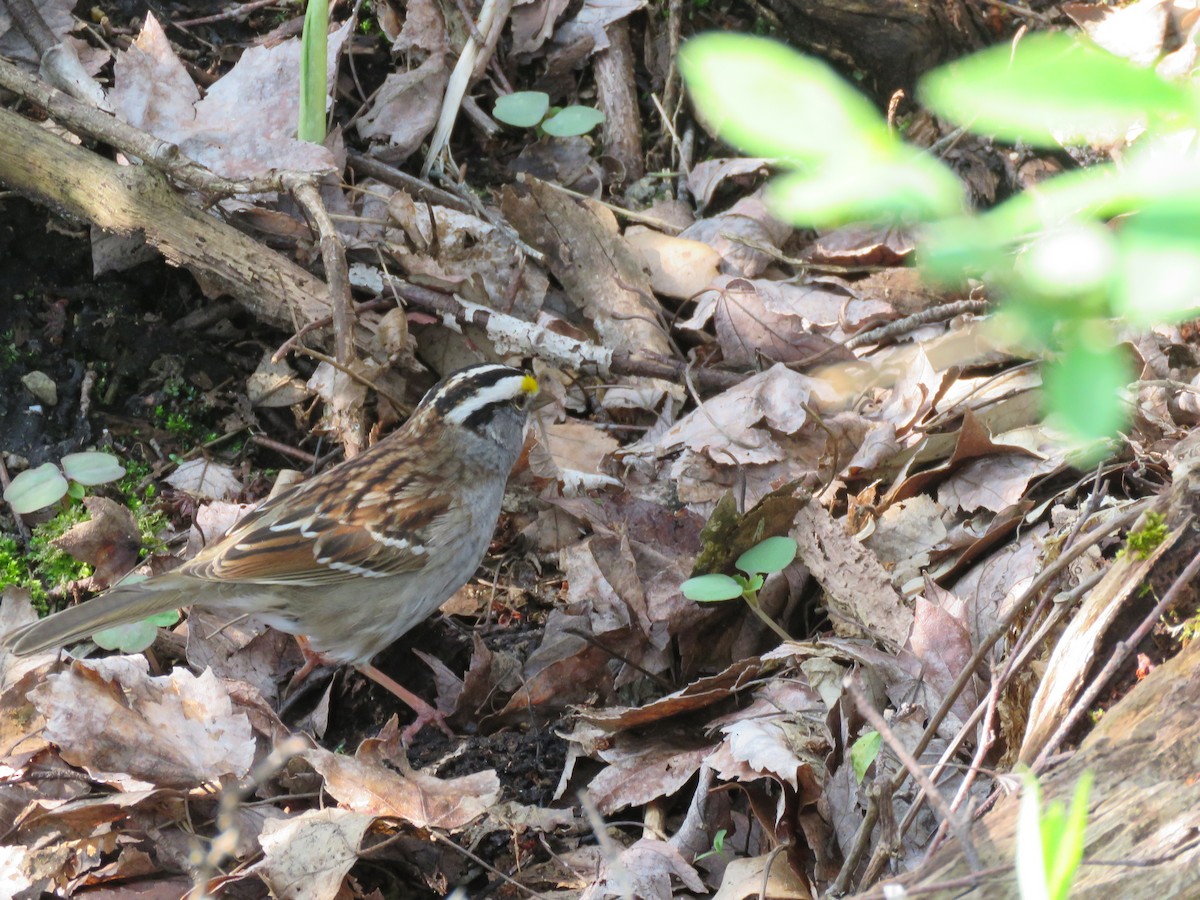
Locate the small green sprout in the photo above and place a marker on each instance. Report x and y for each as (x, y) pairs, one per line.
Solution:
(532, 109)
(44, 486)
(864, 751)
(718, 845)
(772, 555)
(1050, 845)
(314, 68)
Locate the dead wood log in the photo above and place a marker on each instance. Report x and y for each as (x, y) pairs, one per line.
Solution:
(82, 185)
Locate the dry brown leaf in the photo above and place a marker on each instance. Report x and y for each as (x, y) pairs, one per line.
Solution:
(306, 857)
(744, 880)
(994, 483)
(573, 453)
(758, 319)
(205, 478)
(859, 594)
(109, 541)
(641, 771)
(724, 428)
(110, 717)
(905, 535)
(643, 870)
(678, 268)
(738, 233)
(864, 245)
(244, 126)
(425, 801)
(705, 177)
(532, 22)
(274, 384)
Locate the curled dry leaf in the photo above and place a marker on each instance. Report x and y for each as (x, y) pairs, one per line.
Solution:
(275, 384)
(415, 797)
(110, 717)
(109, 541)
(644, 870)
(307, 857)
(205, 478)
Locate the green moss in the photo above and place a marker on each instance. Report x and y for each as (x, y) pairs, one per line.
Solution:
(53, 566)
(15, 571)
(1145, 540)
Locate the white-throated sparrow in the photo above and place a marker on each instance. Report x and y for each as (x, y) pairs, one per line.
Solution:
(355, 557)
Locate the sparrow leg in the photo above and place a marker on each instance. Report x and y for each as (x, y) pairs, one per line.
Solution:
(425, 712)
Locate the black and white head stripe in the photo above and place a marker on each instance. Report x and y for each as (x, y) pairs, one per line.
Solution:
(468, 396)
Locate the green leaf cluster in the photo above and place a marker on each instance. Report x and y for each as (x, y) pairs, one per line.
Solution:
(772, 555)
(1081, 249)
(44, 486)
(532, 109)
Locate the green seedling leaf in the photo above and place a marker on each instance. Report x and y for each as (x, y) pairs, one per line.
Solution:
(912, 187)
(524, 109)
(1050, 89)
(75, 490)
(314, 72)
(573, 121)
(863, 752)
(711, 588)
(772, 555)
(1083, 385)
(164, 619)
(768, 100)
(132, 638)
(36, 489)
(92, 468)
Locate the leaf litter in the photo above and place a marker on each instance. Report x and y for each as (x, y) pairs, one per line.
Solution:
(918, 479)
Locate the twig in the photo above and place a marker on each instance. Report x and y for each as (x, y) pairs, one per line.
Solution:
(239, 12)
(910, 763)
(940, 313)
(225, 843)
(333, 254)
(513, 335)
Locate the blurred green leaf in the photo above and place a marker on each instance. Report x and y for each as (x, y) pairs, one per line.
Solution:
(132, 638)
(768, 100)
(572, 121)
(523, 109)
(1051, 89)
(36, 489)
(1083, 384)
(709, 588)
(1160, 262)
(911, 187)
